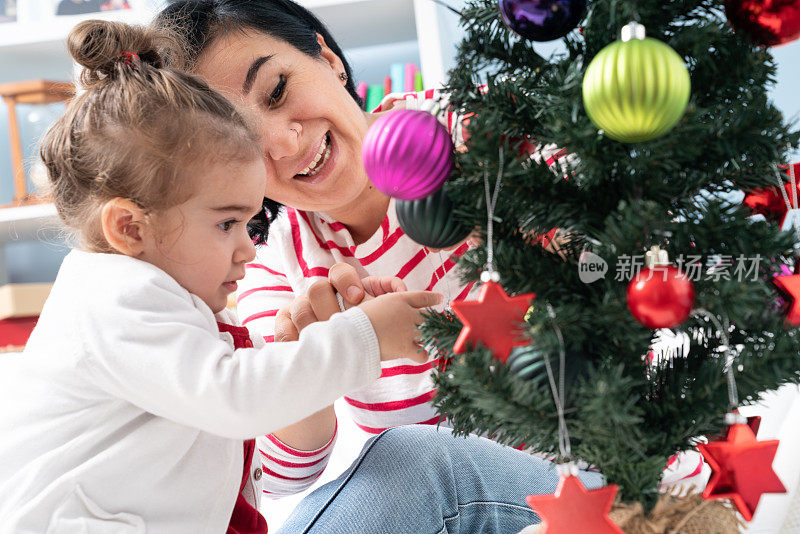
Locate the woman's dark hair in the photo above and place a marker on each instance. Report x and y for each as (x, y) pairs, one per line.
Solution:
(197, 23)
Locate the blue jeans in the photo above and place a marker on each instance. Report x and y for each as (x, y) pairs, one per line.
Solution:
(420, 480)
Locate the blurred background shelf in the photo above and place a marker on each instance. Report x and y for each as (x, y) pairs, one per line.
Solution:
(26, 36)
(392, 20)
(26, 223)
(373, 34)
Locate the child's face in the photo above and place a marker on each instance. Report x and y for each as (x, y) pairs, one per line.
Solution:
(203, 243)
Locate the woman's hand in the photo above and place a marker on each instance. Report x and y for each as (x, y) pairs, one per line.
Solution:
(393, 311)
(318, 305)
(321, 301)
(354, 290)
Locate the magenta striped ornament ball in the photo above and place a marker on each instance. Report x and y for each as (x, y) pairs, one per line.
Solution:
(407, 154)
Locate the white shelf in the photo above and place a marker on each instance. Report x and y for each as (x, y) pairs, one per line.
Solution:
(356, 24)
(55, 29)
(37, 48)
(360, 23)
(26, 223)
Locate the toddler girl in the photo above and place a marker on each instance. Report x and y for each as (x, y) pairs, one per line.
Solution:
(129, 408)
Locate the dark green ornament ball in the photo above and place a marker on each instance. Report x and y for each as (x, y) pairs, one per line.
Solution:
(528, 363)
(429, 221)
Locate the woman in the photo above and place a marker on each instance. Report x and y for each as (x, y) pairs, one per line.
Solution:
(277, 59)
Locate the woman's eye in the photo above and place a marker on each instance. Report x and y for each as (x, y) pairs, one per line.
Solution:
(227, 225)
(277, 93)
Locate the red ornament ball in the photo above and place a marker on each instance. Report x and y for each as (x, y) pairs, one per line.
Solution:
(660, 296)
(766, 22)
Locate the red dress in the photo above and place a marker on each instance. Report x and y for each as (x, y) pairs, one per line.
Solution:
(245, 519)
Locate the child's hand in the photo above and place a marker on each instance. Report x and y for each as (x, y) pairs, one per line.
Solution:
(395, 318)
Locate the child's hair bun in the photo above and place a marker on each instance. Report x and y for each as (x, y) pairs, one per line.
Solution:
(105, 47)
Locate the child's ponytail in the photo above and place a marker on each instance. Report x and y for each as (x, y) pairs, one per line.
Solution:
(137, 130)
(107, 50)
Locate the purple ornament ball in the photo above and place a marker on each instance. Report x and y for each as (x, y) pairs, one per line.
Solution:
(407, 154)
(542, 20)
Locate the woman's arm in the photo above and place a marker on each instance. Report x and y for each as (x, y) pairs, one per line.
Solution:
(295, 456)
(291, 460)
(319, 305)
(265, 302)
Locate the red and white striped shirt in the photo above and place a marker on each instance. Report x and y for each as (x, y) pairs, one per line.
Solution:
(302, 246)
(287, 470)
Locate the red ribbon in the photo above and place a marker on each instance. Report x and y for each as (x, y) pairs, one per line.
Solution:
(130, 58)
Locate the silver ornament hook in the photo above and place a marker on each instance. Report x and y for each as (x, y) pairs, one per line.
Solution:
(489, 273)
(733, 393)
(558, 391)
(632, 30)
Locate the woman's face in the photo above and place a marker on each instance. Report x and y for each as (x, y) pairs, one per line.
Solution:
(311, 127)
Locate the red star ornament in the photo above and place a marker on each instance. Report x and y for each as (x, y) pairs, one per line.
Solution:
(769, 201)
(789, 286)
(493, 321)
(573, 508)
(741, 469)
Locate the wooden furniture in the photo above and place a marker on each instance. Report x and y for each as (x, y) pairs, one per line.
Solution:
(20, 306)
(23, 300)
(28, 92)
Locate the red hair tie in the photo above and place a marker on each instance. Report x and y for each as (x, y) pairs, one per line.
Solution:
(130, 58)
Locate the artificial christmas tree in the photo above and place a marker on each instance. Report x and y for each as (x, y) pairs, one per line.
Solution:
(625, 413)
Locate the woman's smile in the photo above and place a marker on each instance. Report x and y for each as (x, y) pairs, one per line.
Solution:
(321, 162)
